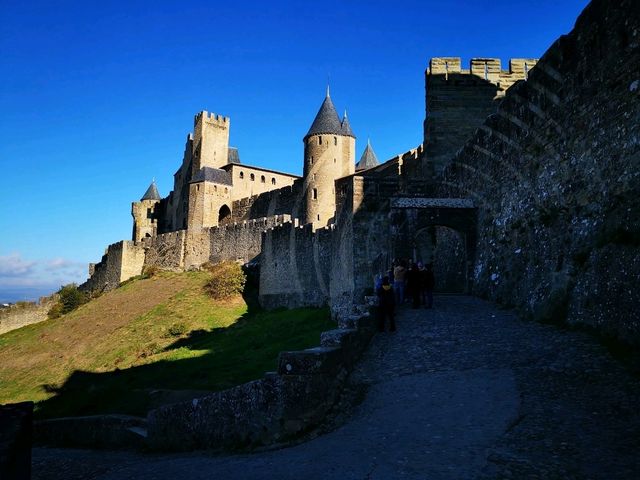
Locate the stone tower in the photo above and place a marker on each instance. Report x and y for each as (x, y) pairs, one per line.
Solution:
(210, 141)
(145, 214)
(329, 154)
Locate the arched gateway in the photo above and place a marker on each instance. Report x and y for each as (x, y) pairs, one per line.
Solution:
(440, 231)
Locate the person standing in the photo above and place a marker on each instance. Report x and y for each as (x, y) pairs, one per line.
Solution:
(386, 306)
(399, 274)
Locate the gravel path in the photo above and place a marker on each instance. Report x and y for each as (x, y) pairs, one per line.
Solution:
(463, 391)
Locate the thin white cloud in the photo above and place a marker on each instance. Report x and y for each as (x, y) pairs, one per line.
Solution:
(13, 265)
(48, 274)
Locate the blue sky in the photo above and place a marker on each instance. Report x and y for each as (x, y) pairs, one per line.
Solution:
(97, 98)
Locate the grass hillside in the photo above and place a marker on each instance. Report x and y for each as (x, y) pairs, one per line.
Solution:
(149, 342)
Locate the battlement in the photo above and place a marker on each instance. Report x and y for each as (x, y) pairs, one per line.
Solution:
(487, 68)
(211, 118)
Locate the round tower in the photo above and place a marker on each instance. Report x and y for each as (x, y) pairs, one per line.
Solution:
(145, 214)
(329, 154)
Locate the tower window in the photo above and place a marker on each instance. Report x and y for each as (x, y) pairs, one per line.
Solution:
(314, 194)
(273, 181)
(335, 140)
(252, 177)
(319, 140)
(241, 174)
(262, 179)
(318, 216)
(334, 160)
(311, 161)
(314, 176)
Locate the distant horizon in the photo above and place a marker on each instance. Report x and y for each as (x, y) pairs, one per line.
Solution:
(98, 99)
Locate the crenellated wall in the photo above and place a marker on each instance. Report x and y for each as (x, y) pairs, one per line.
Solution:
(555, 173)
(121, 261)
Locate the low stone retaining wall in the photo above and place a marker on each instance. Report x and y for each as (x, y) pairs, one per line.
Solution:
(15, 440)
(282, 405)
(95, 431)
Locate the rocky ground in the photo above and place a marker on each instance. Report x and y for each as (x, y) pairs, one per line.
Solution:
(463, 391)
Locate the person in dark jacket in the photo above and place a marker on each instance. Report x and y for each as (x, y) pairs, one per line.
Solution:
(386, 305)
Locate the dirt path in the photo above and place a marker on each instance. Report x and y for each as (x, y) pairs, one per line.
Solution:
(463, 391)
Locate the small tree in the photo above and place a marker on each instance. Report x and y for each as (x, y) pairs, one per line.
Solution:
(227, 280)
(69, 298)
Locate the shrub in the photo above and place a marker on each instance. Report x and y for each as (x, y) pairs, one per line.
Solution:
(227, 280)
(177, 329)
(69, 298)
(150, 271)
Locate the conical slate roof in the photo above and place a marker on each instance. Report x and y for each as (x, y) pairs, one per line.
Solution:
(151, 193)
(326, 121)
(368, 159)
(346, 128)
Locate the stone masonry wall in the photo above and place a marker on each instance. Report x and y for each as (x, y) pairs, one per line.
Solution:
(556, 177)
(166, 251)
(295, 266)
(241, 241)
(286, 200)
(18, 316)
(121, 261)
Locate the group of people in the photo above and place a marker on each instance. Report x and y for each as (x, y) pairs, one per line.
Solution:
(405, 281)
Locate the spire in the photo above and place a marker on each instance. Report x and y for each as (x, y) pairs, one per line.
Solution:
(345, 127)
(327, 120)
(368, 158)
(328, 93)
(152, 192)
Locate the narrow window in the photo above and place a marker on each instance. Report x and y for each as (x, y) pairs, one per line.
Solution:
(314, 176)
(273, 181)
(318, 216)
(226, 190)
(252, 177)
(314, 194)
(241, 174)
(262, 179)
(319, 140)
(334, 160)
(311, 161)
(335, 140)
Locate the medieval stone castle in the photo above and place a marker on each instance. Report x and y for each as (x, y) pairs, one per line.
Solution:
(301, 230)
(523, 190)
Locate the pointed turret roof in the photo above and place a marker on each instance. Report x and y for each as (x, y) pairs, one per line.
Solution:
(151, 193)
(368, 158)
(346, 128)
(327, 120)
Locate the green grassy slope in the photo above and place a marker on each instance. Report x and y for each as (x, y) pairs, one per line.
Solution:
(149, 342)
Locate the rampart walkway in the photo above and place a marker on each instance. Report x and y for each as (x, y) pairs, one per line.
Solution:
(464, 391)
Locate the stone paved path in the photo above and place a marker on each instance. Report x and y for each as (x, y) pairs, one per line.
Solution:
(463, 391)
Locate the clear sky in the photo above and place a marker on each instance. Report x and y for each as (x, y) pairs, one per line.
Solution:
(97, 98)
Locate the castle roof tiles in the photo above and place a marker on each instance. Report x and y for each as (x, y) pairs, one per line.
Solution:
(151, 193)
(213, 175)
(327, 121)
(234, 156)
(368, 159)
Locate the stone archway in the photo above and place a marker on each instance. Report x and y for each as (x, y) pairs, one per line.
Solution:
(438, 231)
(224, 215)
(445, 249)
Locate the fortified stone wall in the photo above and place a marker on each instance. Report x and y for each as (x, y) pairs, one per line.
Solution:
(458, 100)
(296, 265)
(166, 251)
(241, 241)
(555, 174)
(286, 200)
(121, 261)
(18, 316)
